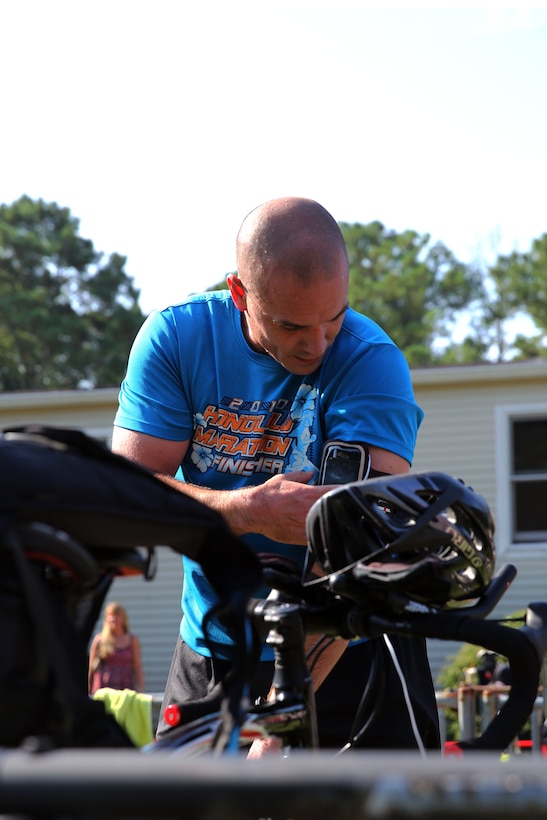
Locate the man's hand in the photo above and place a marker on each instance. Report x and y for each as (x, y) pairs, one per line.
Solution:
(263, 747)
(276, 509)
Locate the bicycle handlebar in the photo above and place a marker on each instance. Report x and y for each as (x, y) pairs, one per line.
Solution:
(321, 612)
(524, 648)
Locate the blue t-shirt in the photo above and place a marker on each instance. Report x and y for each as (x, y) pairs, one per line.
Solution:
(192, 377)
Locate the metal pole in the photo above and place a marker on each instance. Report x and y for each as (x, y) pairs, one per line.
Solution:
(466, 712)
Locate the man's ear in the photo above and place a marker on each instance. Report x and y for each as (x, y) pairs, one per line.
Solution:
(237, 291)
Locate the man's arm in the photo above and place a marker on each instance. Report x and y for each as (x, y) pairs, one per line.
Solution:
(276, 509)
(382, 462)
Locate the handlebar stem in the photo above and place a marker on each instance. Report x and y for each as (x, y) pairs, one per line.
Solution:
(292, 682)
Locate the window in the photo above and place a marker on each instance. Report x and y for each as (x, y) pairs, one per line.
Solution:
(528, 478)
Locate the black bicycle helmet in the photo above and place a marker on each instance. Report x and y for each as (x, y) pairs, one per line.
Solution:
(425, 535)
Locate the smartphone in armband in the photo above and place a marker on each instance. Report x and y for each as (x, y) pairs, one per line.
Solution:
(343, 462)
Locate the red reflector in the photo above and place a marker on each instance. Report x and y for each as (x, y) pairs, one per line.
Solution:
(172, 715)
(453, 749)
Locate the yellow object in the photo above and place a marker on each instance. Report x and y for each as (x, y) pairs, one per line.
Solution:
(132, 710)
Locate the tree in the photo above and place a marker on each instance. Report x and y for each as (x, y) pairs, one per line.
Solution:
(531, 282)
(513, 288)
(524, 277)
(68, 314)
(412, 289)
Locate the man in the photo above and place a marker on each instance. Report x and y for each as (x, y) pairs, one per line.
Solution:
(236, 393)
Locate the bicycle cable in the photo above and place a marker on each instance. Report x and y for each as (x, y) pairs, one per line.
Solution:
(376, 674)
(312, 657)
(314, 653)
(406, 695)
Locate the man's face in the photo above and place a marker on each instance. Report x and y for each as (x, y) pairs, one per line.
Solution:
(295, 323)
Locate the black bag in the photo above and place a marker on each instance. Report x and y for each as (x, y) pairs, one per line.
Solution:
(73, 515)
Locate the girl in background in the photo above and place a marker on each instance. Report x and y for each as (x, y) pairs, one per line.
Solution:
(115, 654)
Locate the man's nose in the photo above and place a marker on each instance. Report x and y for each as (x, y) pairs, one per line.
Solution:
(317, 340)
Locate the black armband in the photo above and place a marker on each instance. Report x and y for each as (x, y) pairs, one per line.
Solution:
(376, 473)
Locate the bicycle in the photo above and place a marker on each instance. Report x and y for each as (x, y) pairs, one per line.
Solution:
(372, 596)
(290, 715)
(65, 553)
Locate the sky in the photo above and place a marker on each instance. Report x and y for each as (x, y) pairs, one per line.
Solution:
(160, 126)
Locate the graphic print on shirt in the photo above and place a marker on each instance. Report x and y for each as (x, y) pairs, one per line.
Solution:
(245, 437)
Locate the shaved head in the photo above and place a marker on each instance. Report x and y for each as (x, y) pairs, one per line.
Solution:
(290, 237)
(292, 282)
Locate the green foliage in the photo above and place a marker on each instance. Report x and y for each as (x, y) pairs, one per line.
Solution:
(530, 347)
(450, 678)
(452, 675)
(470, 351)
(531, 282)
(418, 291)
(412, 289)
(521, 281)
(524, 277)
(513, 287)
(68, 314)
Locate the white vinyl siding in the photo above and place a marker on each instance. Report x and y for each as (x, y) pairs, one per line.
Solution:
(457, 436)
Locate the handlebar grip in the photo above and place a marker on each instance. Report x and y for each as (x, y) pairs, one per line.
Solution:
(495, 590)
(524, 650)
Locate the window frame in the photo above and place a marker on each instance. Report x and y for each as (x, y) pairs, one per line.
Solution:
(504, 418)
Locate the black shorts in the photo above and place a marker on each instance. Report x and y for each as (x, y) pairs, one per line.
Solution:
(386, 714)
(338, 699)
(193, 676)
